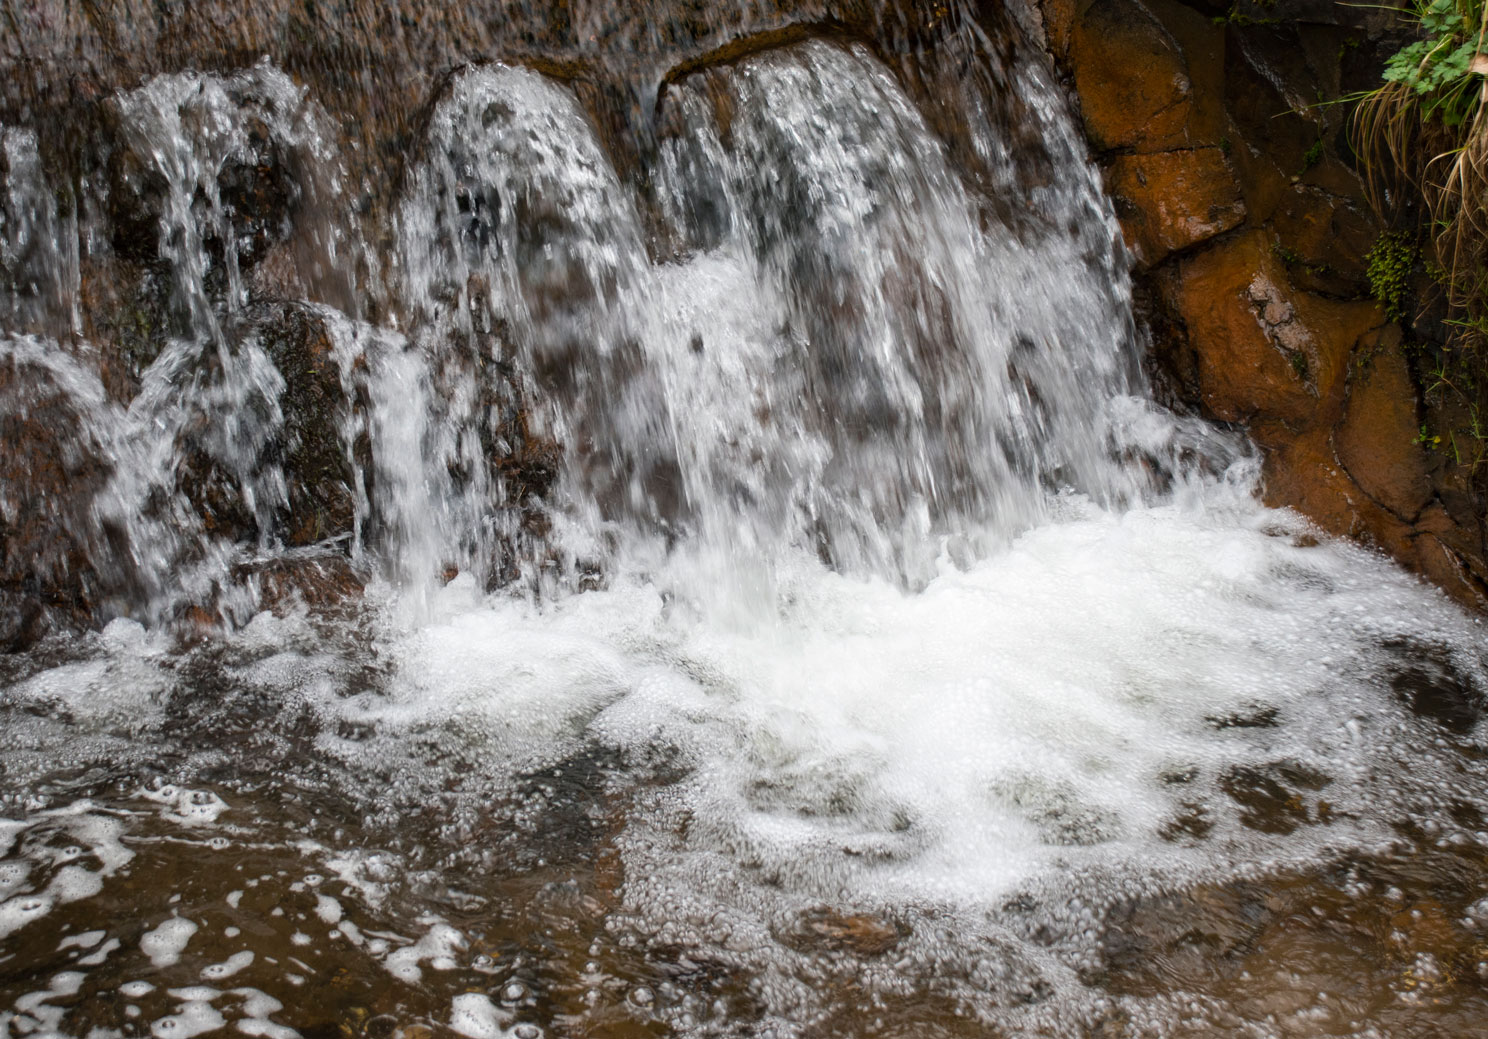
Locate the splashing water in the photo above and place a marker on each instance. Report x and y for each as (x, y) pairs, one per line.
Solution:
(872, 656)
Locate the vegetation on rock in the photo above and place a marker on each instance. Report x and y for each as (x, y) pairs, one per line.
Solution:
(1422, 135)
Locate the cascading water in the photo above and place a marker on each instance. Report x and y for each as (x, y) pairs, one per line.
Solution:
(787, 615)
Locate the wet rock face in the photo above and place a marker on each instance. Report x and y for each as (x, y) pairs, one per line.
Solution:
(1172, 200)
(1249, 231)
(319, 476)
(56, 567)
(300, 440)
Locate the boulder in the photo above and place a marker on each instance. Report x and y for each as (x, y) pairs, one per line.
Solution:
(319, 477)
(1376, 442)
(56, 562)
(1263, 350)
(1170, 201)
(1131, 77)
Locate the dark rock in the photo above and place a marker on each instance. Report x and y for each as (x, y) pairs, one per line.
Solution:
(53, 553)
(319, 476)
(324, 583)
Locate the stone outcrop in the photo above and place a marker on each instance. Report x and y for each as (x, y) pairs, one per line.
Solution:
(1249, 230)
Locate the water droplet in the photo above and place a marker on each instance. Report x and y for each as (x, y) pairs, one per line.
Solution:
(641, 996)
(513, 992)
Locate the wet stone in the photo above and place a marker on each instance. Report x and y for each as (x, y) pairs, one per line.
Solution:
(828, 930)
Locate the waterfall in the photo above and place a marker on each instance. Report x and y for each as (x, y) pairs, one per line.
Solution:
(718, 573)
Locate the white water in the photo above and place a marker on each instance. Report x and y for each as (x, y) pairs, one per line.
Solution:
(911, 606)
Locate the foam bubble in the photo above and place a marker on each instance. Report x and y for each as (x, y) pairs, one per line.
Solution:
(105, 950)
(166, 942)
(437, 947)
(86, 940)
(328, 909)
(22, 910)
(473, 1015)
(235, 963)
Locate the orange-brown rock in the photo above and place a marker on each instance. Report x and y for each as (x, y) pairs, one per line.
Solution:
(1325, 239)
(324, 583)
(1443, 560)
(1169, 201)
(827, 929)
(1263, 349)
(1376, 442)
(1131, 77)
(1302, 472)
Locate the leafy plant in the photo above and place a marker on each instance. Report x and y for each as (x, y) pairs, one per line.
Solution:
(1422, 136)
(1424, 129)
(1439, 68)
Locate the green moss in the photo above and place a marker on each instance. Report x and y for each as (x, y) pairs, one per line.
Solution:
(1391, 263)
(1312, 157)
(1235, 17)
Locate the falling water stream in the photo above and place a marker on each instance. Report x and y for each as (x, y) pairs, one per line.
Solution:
(869, 657)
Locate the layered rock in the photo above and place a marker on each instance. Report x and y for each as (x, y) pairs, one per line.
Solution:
(1249, 232)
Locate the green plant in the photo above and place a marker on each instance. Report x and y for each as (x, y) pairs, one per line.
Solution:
(1424, 129)
(1440, 68)
(1422, 136)
(1391, 262)
(1312, 157)
(1453, 389)
(1235, 17)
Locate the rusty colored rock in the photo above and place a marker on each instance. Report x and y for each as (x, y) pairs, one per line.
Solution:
(1263, 349)
(1170, 201)
(1376, 442)
(1325, 238)
(1252, 351)
(323, 583)
(1131, 77)
(827, 929)
(1301, 472)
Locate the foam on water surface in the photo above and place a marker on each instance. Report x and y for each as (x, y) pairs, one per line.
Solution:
(857, 767)
(874, 659)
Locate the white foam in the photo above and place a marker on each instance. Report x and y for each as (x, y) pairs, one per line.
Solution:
(73, 883)
(235, 963)
(473, 1015)
(166, 942)
(67, 983)
(184, 806)
(12, 876)
(437, 947)
(22, 910)
(86, 940)
(328, 909)
(105, 950)
(192, 1018)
